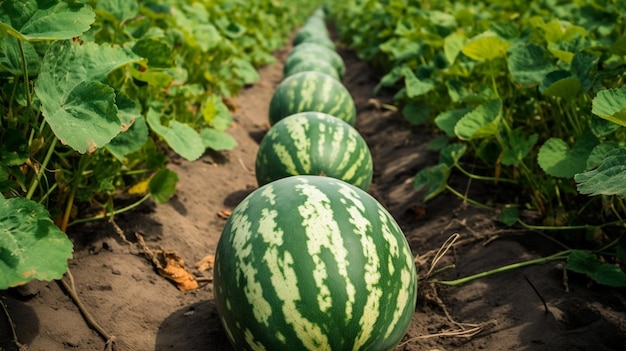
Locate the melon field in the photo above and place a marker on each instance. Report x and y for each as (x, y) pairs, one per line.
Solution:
(463, 175)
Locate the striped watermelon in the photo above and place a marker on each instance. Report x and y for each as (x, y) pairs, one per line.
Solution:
(311, 91)
(313, 263)
(305, 50)
(314, 143)
(312, 64)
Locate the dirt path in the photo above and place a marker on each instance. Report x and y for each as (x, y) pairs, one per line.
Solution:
(145, 312)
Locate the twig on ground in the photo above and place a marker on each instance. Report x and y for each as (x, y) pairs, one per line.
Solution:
(70, 287)
(545, 305)
(19, 345)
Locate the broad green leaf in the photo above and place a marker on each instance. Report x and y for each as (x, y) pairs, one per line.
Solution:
(11, 59)
(447, 120)
(32, 20)
(610, 104)
(156, 50)
(584, 67)
(529, 64)
(452, 46)
(599, 153)
(216, 114)
(217, 140)
(619, 46)
(474, 94)
(414, 86)
(416, 113)
(518, 147)
(588, 263)
(122, 10)
(245, 71)
(486, 46)
(130, 140)
(603, 127)
(156, 78)
(482, 122)
(31, 246)
(509, 216)
(452, 153)
(390, 78)
(162, 185)
(78, 107)
(560, 84)
(438, 143)
(434, 179)
(558, 160)
(608, 179)
(183, 139)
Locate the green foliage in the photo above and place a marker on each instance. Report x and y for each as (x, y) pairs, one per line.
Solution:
(94, 92)
(533, 90)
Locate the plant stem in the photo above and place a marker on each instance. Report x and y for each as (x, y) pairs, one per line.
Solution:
(44, 164)
(558, 256)
(467, 199)
(567, 227)
(485, 178)
(112, 213)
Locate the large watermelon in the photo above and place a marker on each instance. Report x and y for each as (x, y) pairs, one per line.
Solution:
(314, 143)
(311, 91)
(313, 263)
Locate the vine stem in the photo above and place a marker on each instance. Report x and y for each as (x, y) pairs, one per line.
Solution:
(558, 256)
(44, 164)
(465, 198)
(112, 213)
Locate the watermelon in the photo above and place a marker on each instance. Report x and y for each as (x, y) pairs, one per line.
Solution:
(311, 91)
(314, 143)
(313, 37)
(306, 50)
(313, 263)
(313, 64)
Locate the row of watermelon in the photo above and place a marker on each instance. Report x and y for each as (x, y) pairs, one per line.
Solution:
(309, 261)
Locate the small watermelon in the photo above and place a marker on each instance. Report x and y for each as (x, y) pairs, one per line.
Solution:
(306, 50)
(312, 91)
(314, 143)
(313, 64)
(313, 263)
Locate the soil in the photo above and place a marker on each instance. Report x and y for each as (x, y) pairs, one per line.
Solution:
(121, 289)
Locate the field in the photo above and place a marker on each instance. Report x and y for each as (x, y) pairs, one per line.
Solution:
(540, 307)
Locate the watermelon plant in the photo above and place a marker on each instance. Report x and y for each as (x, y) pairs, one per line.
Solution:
(94, 91)
(314, 143)
(311, 91)
(313, 263)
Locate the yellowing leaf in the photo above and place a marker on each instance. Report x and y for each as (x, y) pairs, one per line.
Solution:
(139, 188)
(486, 46)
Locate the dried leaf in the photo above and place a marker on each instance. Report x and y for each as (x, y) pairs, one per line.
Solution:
(206, 263)
(224, 214)
(173, 268)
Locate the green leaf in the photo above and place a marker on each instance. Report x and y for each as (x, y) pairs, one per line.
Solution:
(183, 139)
(560, 84)
(217, 140)
(610, 104)
(518, 147)
(78, 107)
(599, 153)
(11, 58)
(509, 216)
(529, 64)
(434, 179)
(32, 20)
(14, 150)
(156, 50)
(438, 143)
(122, 10)
(603, 127)
(452, 153)
(416, 113)
(31, 246)
(415, 86)
(482, 122)
(245, 71)
(447, 120)
(130, 140)
(608, 179)
(162, 185)
(588, 263)
(216, 114)
(486, 46)
(452, 46)
(558, 160)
